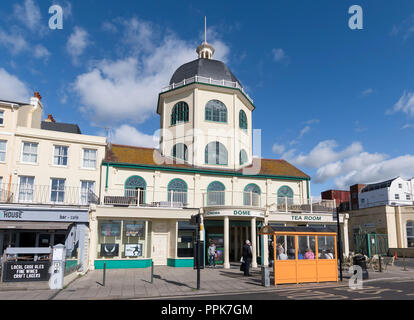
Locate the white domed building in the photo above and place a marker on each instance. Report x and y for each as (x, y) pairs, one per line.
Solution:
(204, 164)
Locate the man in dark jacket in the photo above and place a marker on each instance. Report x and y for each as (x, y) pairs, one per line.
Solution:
(247, 257)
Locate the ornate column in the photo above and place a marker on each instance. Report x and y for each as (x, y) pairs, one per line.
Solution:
(226, 243)
(254, 242)
(236, 243)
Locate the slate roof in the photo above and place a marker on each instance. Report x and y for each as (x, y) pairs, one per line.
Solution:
(208, 68)
(145, 156)
(61, 127)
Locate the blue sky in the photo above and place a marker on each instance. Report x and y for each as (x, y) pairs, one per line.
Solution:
(338, 103)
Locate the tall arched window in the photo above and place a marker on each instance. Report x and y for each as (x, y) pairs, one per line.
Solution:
(216, 194)
(252, 195)
(215, 153)
(216, 111)
(179, 113)
(285, 193)
(179, 151)
(135, 186)
(177, 192)
(242, 120)
(243, 157)
(410, 234)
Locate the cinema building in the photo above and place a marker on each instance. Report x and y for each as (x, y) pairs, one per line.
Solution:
(204, 164)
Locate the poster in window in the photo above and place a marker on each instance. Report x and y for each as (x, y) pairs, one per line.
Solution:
(109, 249)
(111, 229)
(133, 250)
(134, 229)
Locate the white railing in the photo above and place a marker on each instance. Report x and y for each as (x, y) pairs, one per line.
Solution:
(228, 198)
(40, 194)
(200, 79)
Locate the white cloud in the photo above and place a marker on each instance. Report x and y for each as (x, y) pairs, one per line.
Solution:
(127, 89)
(279, 55)
(351, 165)
(128, 135)
(77, 43)
(29, 15)
(303, 131)
(312, 121)
(278, 148)
(41, 52)
(408, 126)
(405, 104)
(13, 41)
(367, 92)
(11, 88)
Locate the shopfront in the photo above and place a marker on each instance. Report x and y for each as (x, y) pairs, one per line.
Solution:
(45, 227)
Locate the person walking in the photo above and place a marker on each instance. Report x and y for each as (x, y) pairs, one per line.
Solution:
(212, 254)
(271, 254)
(247, 257)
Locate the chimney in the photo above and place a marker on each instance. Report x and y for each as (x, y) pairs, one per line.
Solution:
(37, 95)
(50, 118)
(35, 100)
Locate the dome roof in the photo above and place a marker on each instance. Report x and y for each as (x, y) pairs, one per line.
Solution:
(208, 68)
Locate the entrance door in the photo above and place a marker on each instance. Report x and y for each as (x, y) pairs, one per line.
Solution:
(159, 249)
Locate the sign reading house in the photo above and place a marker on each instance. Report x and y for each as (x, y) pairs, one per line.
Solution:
(18, 271)
(44, 215)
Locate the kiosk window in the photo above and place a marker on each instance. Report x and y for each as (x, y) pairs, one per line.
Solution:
(326, 247)
(306, 247)
(285, 248)
(133, 240)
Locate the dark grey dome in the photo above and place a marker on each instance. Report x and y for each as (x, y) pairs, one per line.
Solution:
(208, 68)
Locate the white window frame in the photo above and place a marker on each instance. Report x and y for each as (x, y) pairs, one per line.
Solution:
(58, 191)
(80, 192)
(37, 152)
(60, 156)
(397, 196)
(2, 118)
(19, 198)
(83, 158)
(5, 150)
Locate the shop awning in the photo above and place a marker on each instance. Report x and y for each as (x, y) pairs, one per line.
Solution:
(28, 225)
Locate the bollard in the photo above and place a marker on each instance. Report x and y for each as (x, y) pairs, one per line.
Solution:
(405, 269)
(152, 271)
(104, 274)
(380, 269)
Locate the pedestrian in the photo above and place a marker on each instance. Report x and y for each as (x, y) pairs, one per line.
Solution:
(271, 254)
(212, 254)
(247, 257)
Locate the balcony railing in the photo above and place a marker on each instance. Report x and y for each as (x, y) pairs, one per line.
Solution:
(40, 194)
(206, 80)
(146, 198)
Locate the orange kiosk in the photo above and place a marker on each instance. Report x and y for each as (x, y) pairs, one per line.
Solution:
(301, 256)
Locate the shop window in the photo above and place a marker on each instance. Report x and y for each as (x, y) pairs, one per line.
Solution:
(285, 248)
(109, 239)
(306, 247)
(410, 234)
(185, 240)
(133, 240)
(326, 247)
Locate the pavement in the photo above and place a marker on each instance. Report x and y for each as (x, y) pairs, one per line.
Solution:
(169, 282)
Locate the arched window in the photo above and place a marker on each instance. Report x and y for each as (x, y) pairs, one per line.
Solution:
(179, 113)
(216, 194)
(243, 157)
(177, 192)
(216, 111)
(284, 194)
(252, 195)
(215, 153)
(242, 120)
(135, 187)
(179, 151)
(410, 234)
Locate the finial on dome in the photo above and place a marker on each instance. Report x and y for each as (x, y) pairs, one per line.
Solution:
(205, 50)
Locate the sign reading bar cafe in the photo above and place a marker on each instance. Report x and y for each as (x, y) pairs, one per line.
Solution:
(12, 214)
(16, 271)
(236, 213)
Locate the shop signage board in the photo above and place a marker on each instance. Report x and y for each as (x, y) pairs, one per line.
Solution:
(297, 217)
(17, 214)
(19, 271)
(235, 213)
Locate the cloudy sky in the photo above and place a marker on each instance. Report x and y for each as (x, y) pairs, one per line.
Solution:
(337, 103)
